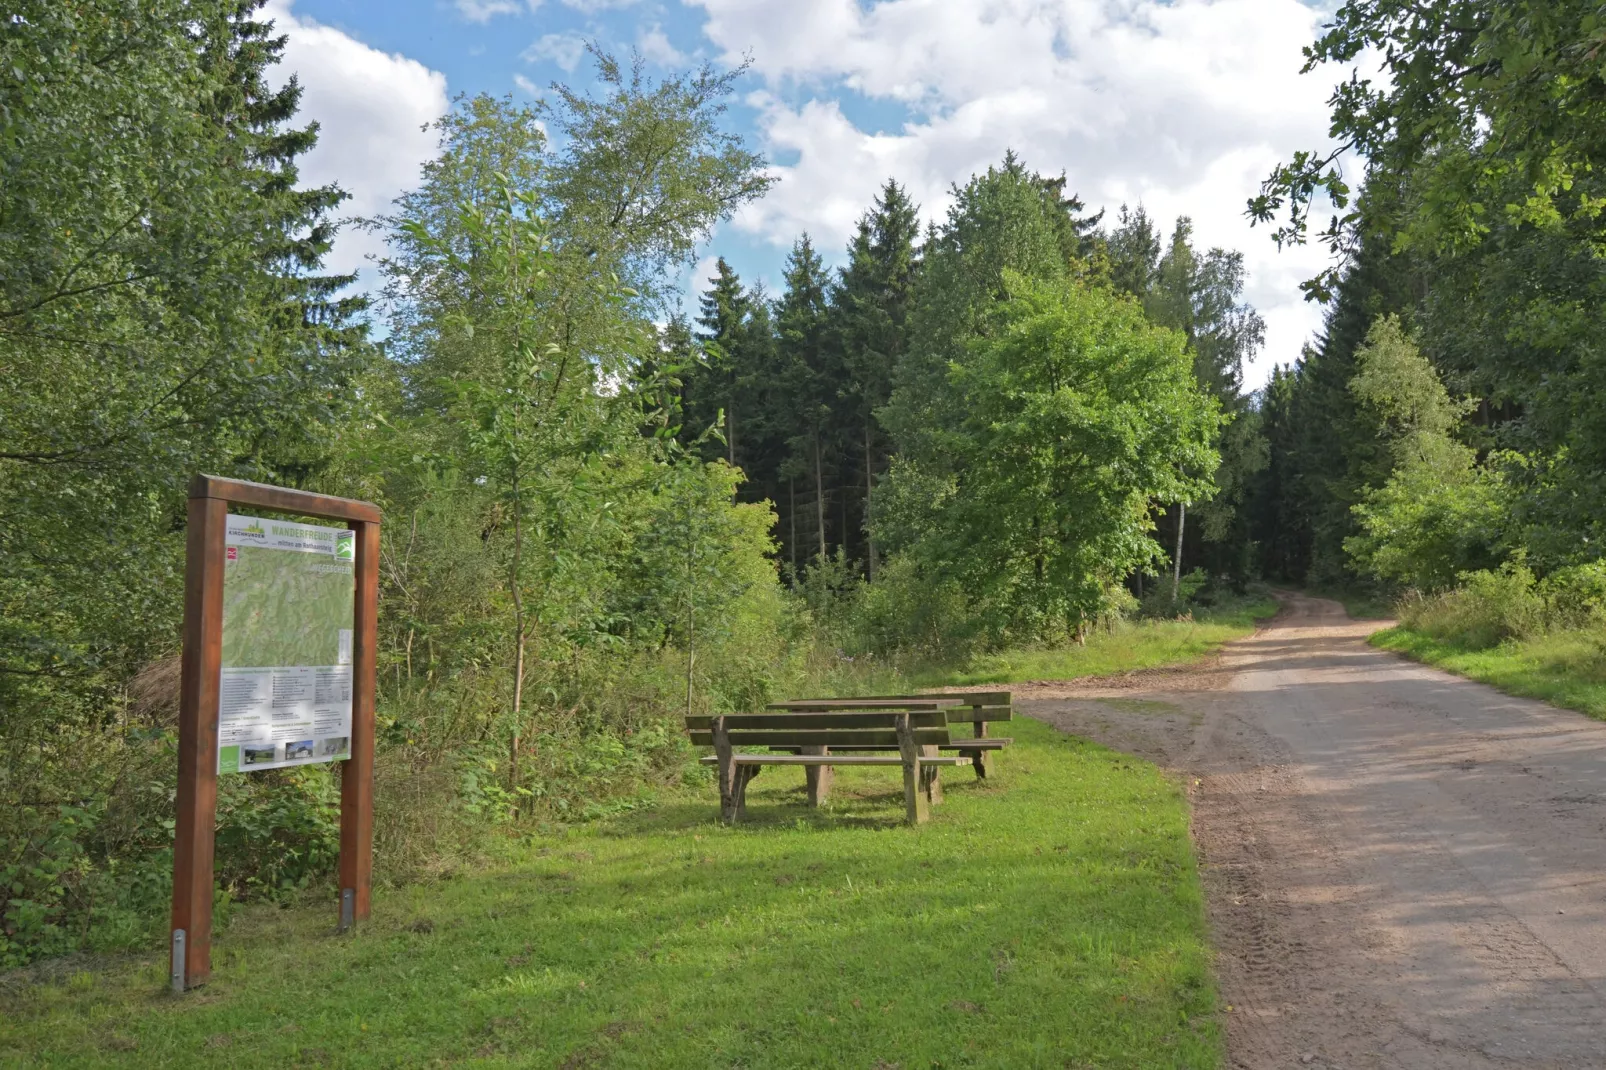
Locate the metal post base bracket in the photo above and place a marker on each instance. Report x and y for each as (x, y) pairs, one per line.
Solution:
(179, 967)
(348, 909)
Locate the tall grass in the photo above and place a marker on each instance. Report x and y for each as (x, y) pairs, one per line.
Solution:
(1543, 639)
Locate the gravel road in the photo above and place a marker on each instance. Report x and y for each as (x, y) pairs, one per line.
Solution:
(1404, 869)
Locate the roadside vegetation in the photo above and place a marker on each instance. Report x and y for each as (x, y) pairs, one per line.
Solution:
(972, 452)
(1437, 455)
(1545, 639)
(1126, 646)
(1051, 916)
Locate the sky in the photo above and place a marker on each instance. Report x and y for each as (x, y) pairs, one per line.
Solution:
(1182, 106)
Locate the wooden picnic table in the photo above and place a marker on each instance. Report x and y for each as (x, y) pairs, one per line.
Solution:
(915, 731)
(977, 708)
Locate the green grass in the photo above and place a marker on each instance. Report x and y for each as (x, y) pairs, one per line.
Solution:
(1050, 917)
(1565, 668)
(1141, 645)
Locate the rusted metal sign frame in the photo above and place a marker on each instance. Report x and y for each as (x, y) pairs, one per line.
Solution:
(209, 501)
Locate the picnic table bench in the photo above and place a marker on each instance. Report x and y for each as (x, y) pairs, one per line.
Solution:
(977, 708)
(914, 730)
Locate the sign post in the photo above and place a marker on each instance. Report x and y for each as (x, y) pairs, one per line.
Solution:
(289, 687)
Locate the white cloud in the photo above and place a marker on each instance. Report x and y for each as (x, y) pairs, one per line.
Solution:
(526, 85)
(486, 10)
(564, 49)
(695, 281)
(1182, 105)
(654, 44)
(370, 107)
(591, 7)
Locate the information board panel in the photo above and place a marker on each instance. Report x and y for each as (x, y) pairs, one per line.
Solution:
(284, 693)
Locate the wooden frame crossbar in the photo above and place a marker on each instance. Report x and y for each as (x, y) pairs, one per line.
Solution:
(209, 501)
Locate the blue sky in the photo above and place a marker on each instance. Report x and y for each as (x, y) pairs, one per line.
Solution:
(1182, 105)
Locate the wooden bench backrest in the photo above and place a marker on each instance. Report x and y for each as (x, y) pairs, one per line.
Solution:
(962, 707)
(836, 729)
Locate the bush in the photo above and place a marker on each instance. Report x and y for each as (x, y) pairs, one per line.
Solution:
(1491, 607)
(1487, 609)
(1192, 590)
(1576, 596)
(907, 614)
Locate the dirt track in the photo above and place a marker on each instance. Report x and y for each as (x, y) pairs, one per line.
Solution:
(1404, 869)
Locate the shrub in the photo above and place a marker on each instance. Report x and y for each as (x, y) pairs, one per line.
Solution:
(1576, 596)
(1192, 590)
(906, 613)
(1488, 608)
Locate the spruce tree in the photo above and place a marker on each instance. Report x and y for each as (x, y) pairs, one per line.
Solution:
(711, 390)
(1133, 249)
(869, 316)
(809, 368)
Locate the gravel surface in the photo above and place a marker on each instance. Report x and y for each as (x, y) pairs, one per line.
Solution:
(1404, 868)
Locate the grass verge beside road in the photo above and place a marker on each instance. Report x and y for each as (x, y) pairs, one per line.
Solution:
(1050, 917)
(1145, 644)
(1565, 668)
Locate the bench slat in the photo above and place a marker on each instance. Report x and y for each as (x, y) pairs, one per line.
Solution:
(849, 705)
(736, 722)
(830, 759)
(963, 698)
(825, 737)
(956, 714)
(962, 714)
(984, 743)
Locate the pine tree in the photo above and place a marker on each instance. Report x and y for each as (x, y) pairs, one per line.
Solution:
(811, 372)
(1279, 527)
(1325, 451)
(869, 314)
(710, 395)
(1134, 253)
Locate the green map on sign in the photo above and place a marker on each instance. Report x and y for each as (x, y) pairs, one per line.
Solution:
(284, 607)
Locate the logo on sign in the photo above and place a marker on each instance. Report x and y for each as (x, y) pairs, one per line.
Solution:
(233, 553)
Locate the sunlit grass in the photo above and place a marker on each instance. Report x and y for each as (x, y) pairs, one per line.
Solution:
(1051, 917)
(1136, 645)
(1565, 668)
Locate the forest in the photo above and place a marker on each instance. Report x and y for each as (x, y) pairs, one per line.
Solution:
(1013, 426)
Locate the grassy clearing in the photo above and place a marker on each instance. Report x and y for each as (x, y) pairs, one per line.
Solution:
(1140, 645)
(1566, 668)
(1052, 917)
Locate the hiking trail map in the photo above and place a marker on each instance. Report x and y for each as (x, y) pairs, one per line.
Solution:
(285, 693)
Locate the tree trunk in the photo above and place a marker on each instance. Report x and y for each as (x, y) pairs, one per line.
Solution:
(819, 494)
(844, 529)
(791, 510)
(1176, 565)
(869, 507)
(518, 643)
(691, 609)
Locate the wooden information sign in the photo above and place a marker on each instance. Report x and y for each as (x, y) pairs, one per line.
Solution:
(326, 697)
